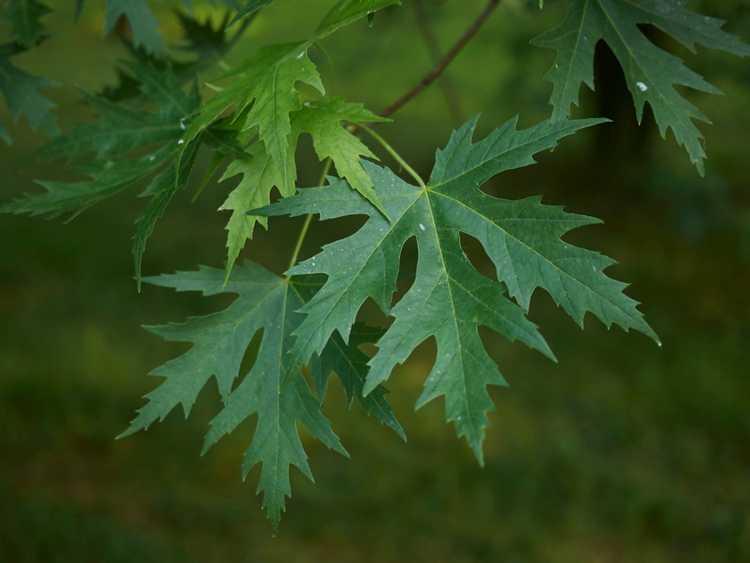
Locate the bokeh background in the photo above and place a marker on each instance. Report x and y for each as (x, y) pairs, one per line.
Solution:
(622, 452)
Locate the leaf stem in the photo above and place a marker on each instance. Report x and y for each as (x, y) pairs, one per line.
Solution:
(428, 79)
(309, 218)
(405, 165)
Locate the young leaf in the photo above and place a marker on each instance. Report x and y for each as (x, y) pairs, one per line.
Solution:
(449, 299)
(142, 21)
(346, 12)
(263, 93)
(274, 389)
(652, 74)
(260, 175)
(324, 122)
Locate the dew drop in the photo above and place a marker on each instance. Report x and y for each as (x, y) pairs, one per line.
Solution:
(641, 86)
(422, 227)
(181, 142)
(183, 126)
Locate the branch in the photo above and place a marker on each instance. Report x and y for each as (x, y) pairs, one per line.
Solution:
(440, 67)
(436, 54)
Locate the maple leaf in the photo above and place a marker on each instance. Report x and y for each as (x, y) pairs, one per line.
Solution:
(652, 74)
(263, 97)
(260, 175)
(346, 12)
(263, 93)
(349, 364)
(449, 299)
(274, 389)
(155, 138)
(324, 121)
(25, 18)
(142, 21)
(23, 95)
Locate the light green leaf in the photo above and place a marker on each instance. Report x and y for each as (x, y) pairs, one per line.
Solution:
(324, 121)
(263, 94)
(449, 299)
(274, 389)
(259, 176)
(346, 12)
(652, 74)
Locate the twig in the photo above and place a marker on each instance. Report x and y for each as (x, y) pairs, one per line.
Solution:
(428, 37)
(440, 67)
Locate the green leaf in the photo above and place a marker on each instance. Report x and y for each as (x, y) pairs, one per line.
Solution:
(142, 21)
(72, 198)
(652, 74)
(25, 18)
(259, 176)
(346, 12)
(160, 192)
(263, 94)
(449, 299)
(274, 389)
(131, 145)
(23, 95)
(324, 122)
(349, 363)
(246, 8)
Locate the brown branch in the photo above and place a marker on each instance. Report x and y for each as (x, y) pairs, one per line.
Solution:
(436, 54)
(447, 59)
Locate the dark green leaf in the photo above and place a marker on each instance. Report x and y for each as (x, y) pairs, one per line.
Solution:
(142, 21)
(23, 94)
(25, 18)
(652, 74)
(274, 389)
(449, 299)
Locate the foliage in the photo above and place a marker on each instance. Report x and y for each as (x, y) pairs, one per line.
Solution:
(153, 126)
(650, 72)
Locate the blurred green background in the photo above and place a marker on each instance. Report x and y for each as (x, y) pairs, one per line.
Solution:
(622, 452)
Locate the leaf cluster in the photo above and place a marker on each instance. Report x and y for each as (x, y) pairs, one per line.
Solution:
(162, 115)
